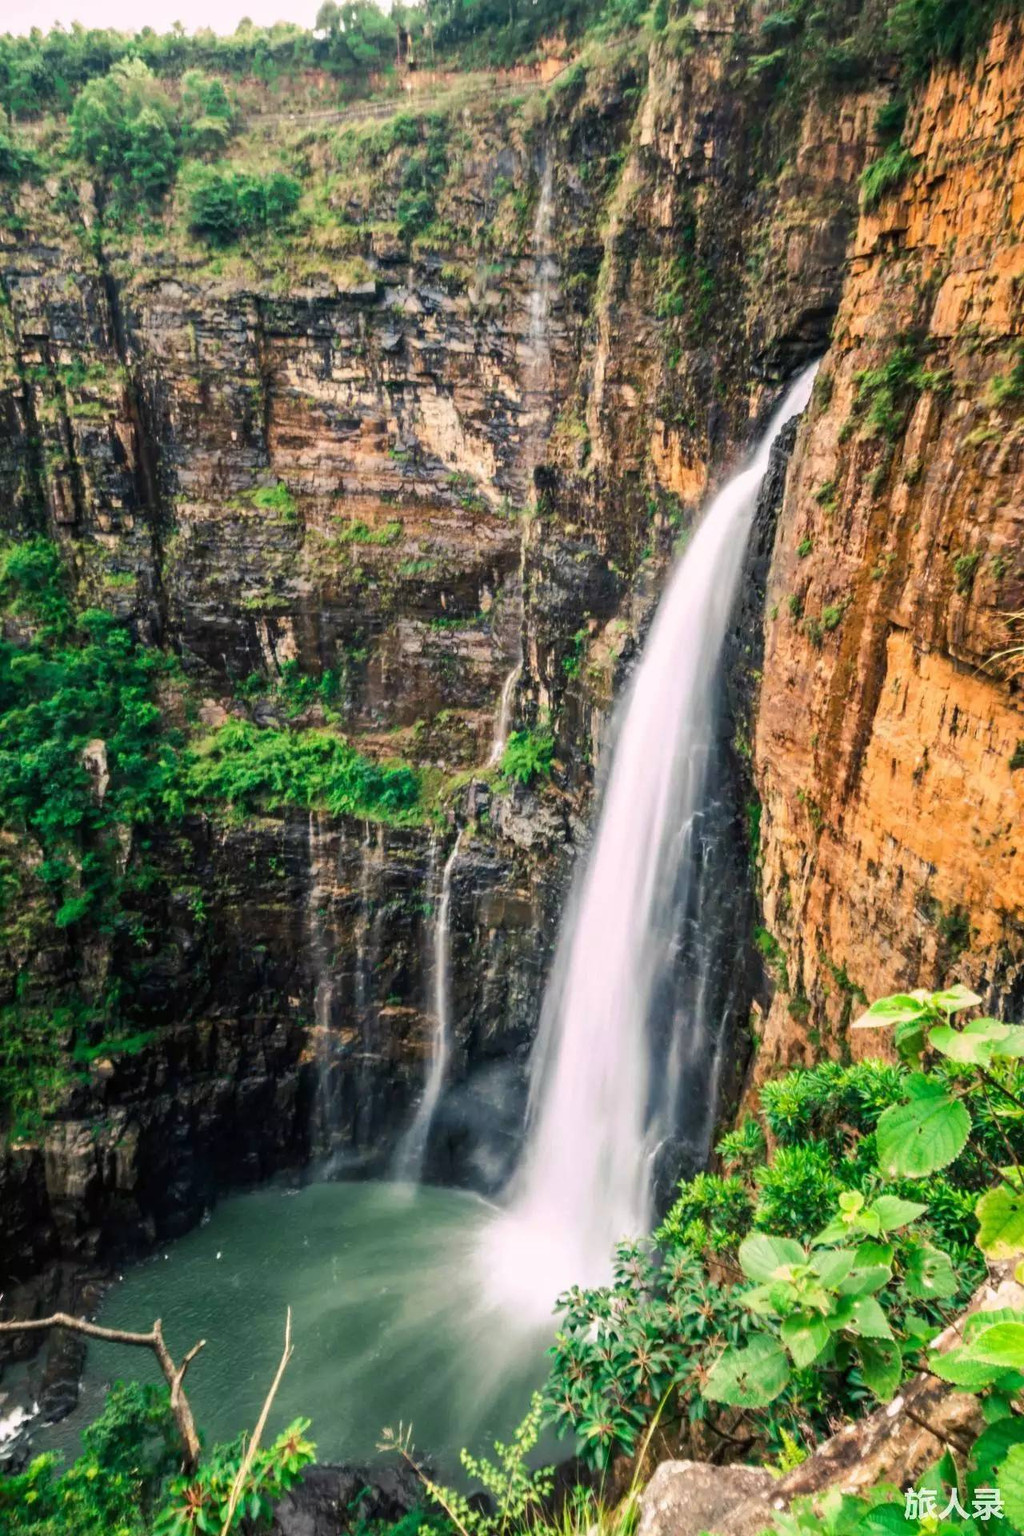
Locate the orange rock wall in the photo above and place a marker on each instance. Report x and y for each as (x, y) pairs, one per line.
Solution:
(887, 737)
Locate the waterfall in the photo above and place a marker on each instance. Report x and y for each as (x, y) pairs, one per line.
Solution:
(503, 719)
(536, 363)
(536, 378)
(328, 1105)
(409, 1163)
(605, 1081)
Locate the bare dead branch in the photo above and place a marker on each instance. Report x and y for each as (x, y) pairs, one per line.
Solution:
(154, 1341)
(261, 1424)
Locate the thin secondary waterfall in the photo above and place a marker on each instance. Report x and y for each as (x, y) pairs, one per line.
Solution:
(328, 1108)
(503, 719)
(409, 1163)
(604, 1090)
(536, 362)
(536, 378)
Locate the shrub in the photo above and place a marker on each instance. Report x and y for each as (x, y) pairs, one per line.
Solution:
(225, 205)
(75, 682)
(885, 393)
(254, 768)
(926, 31)
(528, 756)
(112, 1488)
(1008, 388)
(890, 170)
(16, 163)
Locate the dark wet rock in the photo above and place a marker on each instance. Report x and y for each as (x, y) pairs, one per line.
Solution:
(330, 1501)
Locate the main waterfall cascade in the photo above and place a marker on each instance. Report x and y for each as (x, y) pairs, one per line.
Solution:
(618, 1035)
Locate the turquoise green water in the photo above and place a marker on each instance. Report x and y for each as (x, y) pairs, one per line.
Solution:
(385, 1287)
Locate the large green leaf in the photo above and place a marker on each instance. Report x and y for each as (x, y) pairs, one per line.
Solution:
(872, 1268)
(893, 1213)
(1010, 1481)
(902, 1008)
(977, 1322)
(887, 1520)
(973, 1048)
(915, 1139)
(1000, 1213)
(953, 999)
(805, 1336)
(881, 1365)
(751, 1377)
(832, 1267)
(759, 1300)
(1010, 1040)
(861, 1315)
(762, 1256)
(958, 1367)
(928, 1274)
(992, 1445)
(1002, 1344)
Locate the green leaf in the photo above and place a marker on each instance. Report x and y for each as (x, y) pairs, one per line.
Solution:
(992, 1445)
(760, 1300)
(761, 1257)
(915, 1139)
(881, 1365)
(874, 1253)
(1010, 1482)
(1002, 1344)
(832, 1267)
(805, 1336)
(864, 1280)
(894, 1213)
(959, 1368)
(997, 1407)
(928, 1274)
(953, 999)
(1000, 1213)
(861, 1315)
(972, 1049)
(921, 1329)
(1010, 1042)
(977, 1322)
(891, 1010)
(886, 1520)
(751, 1377)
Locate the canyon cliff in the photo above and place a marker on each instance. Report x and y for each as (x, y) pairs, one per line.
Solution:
(432, 467)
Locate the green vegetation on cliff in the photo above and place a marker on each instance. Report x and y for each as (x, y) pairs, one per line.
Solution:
(248, 767)
(92, 766)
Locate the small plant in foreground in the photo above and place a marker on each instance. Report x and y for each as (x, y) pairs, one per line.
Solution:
(518, 1495)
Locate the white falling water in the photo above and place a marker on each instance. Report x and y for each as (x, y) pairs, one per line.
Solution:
(317, 899)
(536, 377)
(503, 719)
(409, 1163)
(596, 1116)
(536, 347)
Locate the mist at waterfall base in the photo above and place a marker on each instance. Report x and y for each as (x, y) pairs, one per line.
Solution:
(433, 1306)
(387, 1322)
